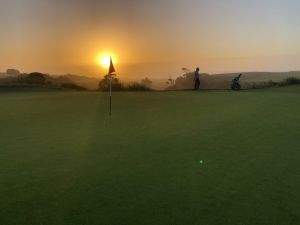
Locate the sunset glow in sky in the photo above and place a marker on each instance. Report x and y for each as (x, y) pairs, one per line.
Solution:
(153, 38)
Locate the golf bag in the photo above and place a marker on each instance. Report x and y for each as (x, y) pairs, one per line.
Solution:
(235, 86)
(235, 83)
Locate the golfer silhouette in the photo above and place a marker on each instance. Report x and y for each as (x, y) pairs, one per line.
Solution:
(197, 79)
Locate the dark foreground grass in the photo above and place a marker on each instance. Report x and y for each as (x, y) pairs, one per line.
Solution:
(64, 161)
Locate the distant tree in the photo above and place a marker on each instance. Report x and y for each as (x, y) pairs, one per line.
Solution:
(73, 87)
(137, 87)
(36, 78)
(186, 70)
(171, 84)
(291, 81)
(146, 82)
(13, 72)
(32, 78)
(104, 84)
(185, 81)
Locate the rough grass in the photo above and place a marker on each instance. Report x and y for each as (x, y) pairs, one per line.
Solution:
(64, 161)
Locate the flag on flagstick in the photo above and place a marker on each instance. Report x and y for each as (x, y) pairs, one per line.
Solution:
(111, 67)
(110, 73)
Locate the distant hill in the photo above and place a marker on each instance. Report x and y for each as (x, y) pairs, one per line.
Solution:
(222, 81)
(15, 80)
(208, 81)
(87, 82)
(261, 76)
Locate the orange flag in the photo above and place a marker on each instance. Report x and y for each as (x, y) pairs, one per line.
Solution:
(111, 67)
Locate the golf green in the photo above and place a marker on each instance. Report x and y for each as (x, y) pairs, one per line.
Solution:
(65, 161)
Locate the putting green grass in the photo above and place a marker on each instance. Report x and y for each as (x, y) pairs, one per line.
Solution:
(64, 161)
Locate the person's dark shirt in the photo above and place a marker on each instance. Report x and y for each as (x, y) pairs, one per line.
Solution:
(197, 75)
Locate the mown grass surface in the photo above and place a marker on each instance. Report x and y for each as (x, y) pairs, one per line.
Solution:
(64, 161)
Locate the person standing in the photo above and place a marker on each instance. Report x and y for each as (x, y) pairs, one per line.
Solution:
(197, 79)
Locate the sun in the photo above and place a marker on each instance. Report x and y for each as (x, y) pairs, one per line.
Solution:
(104, 60)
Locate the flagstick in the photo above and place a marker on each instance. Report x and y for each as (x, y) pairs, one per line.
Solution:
(110, 73)
(110, 90)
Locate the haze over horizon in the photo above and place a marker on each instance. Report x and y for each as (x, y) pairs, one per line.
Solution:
(150, 38)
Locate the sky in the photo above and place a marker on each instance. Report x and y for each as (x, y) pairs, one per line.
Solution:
(153, 38)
